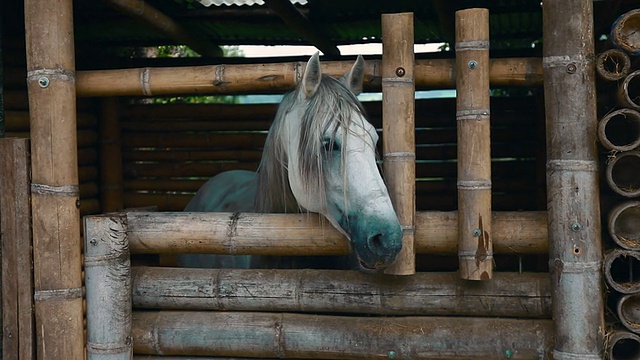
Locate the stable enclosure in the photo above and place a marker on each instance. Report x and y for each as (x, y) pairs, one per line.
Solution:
(501, 187)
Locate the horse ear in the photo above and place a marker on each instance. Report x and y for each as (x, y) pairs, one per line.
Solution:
(312, 75)
(354, 78)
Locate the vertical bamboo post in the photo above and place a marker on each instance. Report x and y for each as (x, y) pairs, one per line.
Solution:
(398, 127)
(18, 340)
(111, 196)
(575, 245)
(108, 283)
(54, 188)
(475, 248)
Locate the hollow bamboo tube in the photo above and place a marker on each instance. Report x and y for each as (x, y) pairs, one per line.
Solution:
(624, 32)
(280, 77)
(55, 215)
(623, 173)
(398, 127)
(108, 289)
(111, 195)
(620, 130)
(279, 234)
(613, 64)
(629, 91)
(286, 335)
(622, 270)
(628, 310)
(624, 225)
(475, 249)
(622, 345)
(575, 243)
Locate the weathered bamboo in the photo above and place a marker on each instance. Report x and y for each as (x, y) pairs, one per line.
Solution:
(277, 78)
(54, 188)
(510, 295)
(475, 249)
(622, 270)
(108, 289)
(110, 156)
(628, 91)
(628, 310)
(18, 340)
(624, 225)
(624, 32)
(623, 173)
(613, 64)
(620, 130)
(622, 345)
(575, 244)
(436, 233)
(314, 336)
(398, 127)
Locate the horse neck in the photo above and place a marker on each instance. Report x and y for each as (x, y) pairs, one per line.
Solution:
(274, 193)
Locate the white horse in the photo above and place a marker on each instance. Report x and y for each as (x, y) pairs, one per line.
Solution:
(319, 157)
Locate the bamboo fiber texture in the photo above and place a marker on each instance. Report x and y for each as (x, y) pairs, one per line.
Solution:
(398, 127)
(475, 247)
(54, 188)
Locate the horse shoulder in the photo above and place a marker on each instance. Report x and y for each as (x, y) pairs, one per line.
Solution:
(230, 191)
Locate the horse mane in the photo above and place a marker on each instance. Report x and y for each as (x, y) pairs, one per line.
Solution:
(330, 107)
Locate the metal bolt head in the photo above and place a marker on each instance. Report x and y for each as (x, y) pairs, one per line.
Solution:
(476, 232)
(93, 241)
(571, 68)
(43, 81)
(576, 226)
(392, 354)
(508, 353)
(400, 72)
(472, 64)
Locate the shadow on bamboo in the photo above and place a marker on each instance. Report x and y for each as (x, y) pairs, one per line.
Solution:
(623, 173)
(624, 225)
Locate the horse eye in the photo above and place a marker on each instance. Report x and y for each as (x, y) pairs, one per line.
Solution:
(330, 145)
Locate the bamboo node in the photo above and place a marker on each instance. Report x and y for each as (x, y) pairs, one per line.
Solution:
(561, 355)
(565, 61)
(572, 165)
(473, 114)
(399, 156)
(472, 45)
(575, 267)
(65, 190)
(109, 348)
(57, 74)
(58, 294)
(474, 184)
(144, 81)
(397, 81)
(473, 254)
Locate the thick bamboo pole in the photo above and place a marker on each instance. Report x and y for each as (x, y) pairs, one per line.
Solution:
(278, 234)
(475, 248)
(620, 130)
(624, 32)
(623, 173)
(624, 225)
(628, 310)
(622, 270)
(54, 188)
(613, 64)
(111, 195)
(575, 244)
(398, 128)
(108, 289)
(510, 295)
(280, 77)
(622, 345)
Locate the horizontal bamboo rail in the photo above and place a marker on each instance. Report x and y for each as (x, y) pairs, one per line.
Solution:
(622, 270)
(280, 77)
(624, 225)
(620, 130)
(299, 336)
(278, 234)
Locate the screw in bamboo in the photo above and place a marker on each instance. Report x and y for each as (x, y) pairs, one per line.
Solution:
(111, 192)
(398, 127)
(620, 130)
(613, 65)
(623, 173)
(575, 243)
(622, 345)
(628, 309)
(54, 188)
(629, 91)
(622, 270)
(108, 288)
(624, 32)
(475, 249)
(624, 225)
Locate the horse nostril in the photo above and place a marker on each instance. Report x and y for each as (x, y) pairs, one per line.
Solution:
(376, 244)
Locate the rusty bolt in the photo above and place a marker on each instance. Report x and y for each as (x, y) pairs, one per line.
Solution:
(43, 81)
(476, 232)
(571, 68)
(576, 226)
(472, 64)
(400, 72)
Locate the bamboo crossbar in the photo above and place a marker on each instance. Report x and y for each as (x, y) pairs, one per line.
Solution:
(278, 78)
(307, 234)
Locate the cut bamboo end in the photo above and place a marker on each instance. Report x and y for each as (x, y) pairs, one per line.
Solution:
(613, 65)
(622, 270)
(622, 345)
(624, 225)
(620, 130)
(629, 91)
(624, 32)
(623, 173)
(628, 309)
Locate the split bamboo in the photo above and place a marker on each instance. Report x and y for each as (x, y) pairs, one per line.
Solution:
(573, 201)
(475, 248)
(300, 234)
(110, 156)
(108, 289)
(628, 310)
(624, 225)
(509, 295)
(622, 270)
(628, 91)
(398, 128)
(623, 173)
(317, 336)
(624, 32)
(18, 337)
(280, 77)
(620, 130)
(54, 188)
(622, 345)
